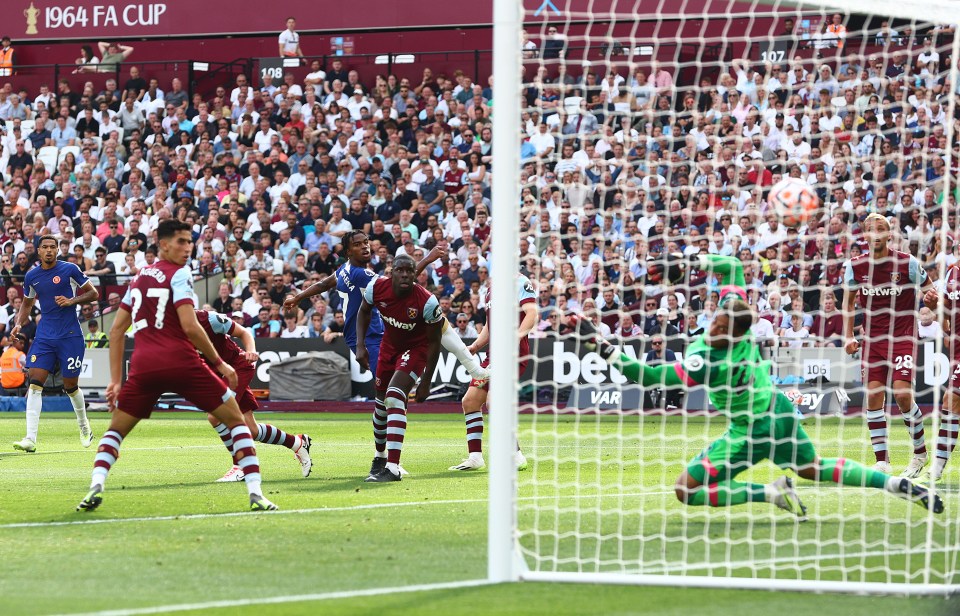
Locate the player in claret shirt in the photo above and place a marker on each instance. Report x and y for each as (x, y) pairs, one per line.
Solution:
(221, 330)
(950, 409)
(888, 284)
(408, 353)
(763, 423)
(159, 306)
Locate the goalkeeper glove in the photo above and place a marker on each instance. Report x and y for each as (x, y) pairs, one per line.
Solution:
(592, 340)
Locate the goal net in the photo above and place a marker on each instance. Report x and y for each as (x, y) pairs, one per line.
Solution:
(649, 128)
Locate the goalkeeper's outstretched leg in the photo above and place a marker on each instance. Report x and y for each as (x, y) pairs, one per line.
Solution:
(771, 431)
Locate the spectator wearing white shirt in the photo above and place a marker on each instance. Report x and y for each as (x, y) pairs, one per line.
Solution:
(928, 326)
(289, 41)
(796, 335)
(763, 332)
(242, 86)
(264, 137)
(358, 104)
(771, 232)
(543, 141)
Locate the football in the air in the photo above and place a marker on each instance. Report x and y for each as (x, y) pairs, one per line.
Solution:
(794, 201)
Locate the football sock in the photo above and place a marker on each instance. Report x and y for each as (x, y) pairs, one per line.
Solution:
(914, 421)
(224, 432)
(34, 404)
(850, 473)
(272, 435)
(877, 424)
(380, 428)
(728, 493)
(451, 341)
(245, 456)
(108, 450)
(396, 405)
(474, 423)
(946, 440)
(79, 406)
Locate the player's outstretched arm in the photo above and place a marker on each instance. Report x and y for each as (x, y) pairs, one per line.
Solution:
(731, 268)
(437, 252)
(293, 301)
(364, 314)
(663, 375)
(118, 343)
(191, 327)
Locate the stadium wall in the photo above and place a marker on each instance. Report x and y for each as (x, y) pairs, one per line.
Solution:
(444, 49)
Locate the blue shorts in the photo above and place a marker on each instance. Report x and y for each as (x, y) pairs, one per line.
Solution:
(373, 351)
(65, 353)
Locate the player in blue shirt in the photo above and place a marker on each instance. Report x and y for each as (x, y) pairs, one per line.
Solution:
(59, 286)
(350, 280)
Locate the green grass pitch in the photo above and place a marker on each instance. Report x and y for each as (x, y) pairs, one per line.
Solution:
(167, 535)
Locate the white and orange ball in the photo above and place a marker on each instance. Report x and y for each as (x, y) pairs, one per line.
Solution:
(794, 201)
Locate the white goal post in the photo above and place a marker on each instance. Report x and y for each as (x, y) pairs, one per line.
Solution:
(544, 526)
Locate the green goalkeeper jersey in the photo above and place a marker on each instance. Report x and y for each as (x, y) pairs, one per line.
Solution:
(737, 378)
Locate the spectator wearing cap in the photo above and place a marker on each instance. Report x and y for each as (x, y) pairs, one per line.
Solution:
(238, 317)
(465, 329)
(95, 339)
(358, 104)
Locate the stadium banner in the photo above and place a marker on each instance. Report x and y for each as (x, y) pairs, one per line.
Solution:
(99, 19)
(563, 373)
(92, 20)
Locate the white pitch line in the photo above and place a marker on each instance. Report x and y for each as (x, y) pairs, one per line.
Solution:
(325, 596)
(792, 559)
(231, 514)
(20, 454)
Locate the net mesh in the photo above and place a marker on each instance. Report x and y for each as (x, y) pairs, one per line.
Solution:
(652, 128)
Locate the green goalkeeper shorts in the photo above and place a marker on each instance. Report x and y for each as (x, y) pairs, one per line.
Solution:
(777, 436)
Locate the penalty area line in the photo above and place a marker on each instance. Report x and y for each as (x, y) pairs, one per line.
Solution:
(325, 596)
(233, 514)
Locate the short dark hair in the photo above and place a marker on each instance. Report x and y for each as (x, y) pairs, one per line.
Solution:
(170, 227)
(740, 315)
(404, 261)
(46, 237)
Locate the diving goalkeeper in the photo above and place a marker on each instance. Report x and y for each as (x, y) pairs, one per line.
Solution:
(763, 424)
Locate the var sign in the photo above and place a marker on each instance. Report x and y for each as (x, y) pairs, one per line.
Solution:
(605, 397)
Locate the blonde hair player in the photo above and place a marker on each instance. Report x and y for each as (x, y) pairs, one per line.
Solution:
(888, 284)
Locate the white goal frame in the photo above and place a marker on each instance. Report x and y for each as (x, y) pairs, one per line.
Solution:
(505, 562)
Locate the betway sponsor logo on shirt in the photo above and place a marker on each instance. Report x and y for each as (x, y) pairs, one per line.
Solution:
(396, 323)
(882, 291)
